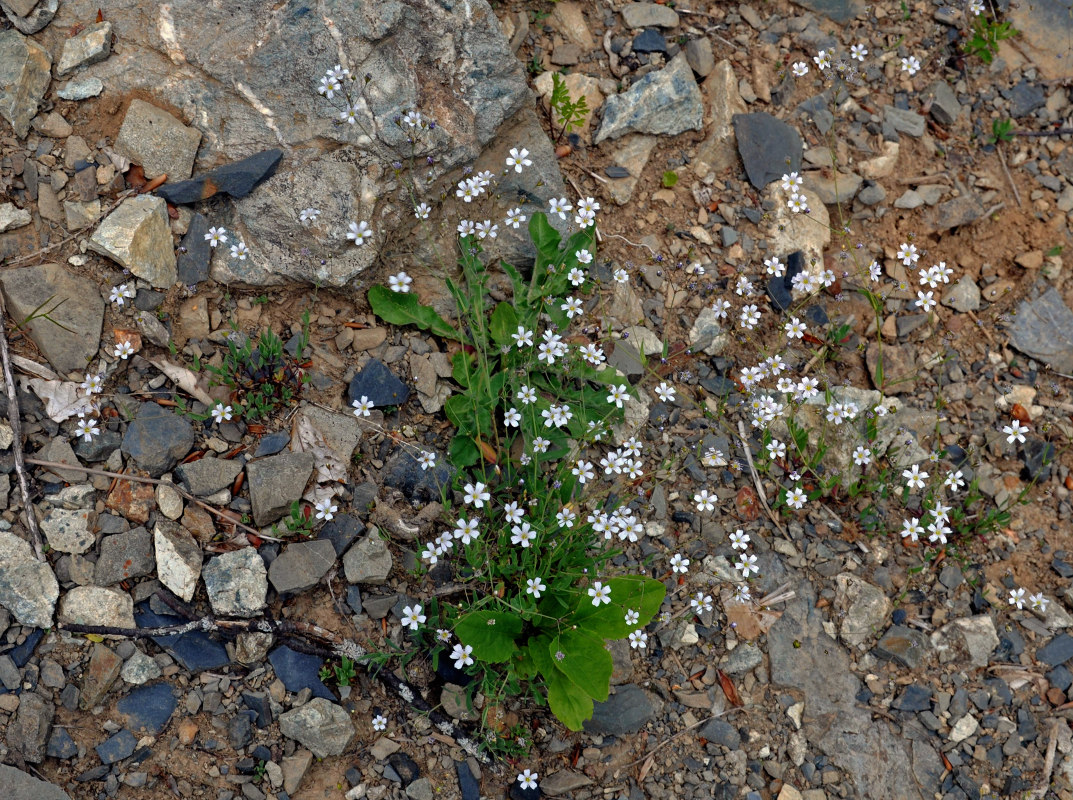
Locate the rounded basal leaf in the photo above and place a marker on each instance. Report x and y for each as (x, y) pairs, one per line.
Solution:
(570, 704)
(582, 657)
(643, 595)
(491, 634)
(503, 323)
(403, 308)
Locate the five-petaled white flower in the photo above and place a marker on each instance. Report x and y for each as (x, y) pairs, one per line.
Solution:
(796, 498)
(638, 638)
(522, 338)
(422, 210)
(326, 510)
(750, 315)
(515, 217)
(240, 251)
(800, 69)
(908, 254)
(618, 395)
(976, 7)
(535, 586)
(795, 328)
(954, 481)
(363, 406)
(528, 779)
(476, 494)
(359, 232)
(861, 456)
(679, 564)
(1017, 597)
(739, 540)
(1016, 432)
(858, 51)
(774, 267)
(797, 203)
(701, 602)
(221, 413)
(911, 529)
(911, 65)
(914, 477)
(822, 59)
(1039, 602)
(572, 307)
(461, 655)
(427, 460)
(746, 563)
(560, 206)
(308, 215)
(632, 616)
(705, 500)
(400, 282)
(124, 350)
(512, 419)
(665, 392)
(466, 529)
(583, 470)
(216, 236)
(527, 394)
(583, 256)
(92, 384)
(600, 593)
(518, 159)
(413, 617)
(926, 301)
(120, 294)
(86, 429)
(379, 723)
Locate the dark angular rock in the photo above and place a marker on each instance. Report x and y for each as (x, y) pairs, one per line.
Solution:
(914, 698)
(148, 708)
(1057, 651)
(157, 439)
(353, 598)
(1063, 568)
(123, 556)
(649, 41)
(626, 711)
(905, 645)
(780, 289)
(467, 783)
(272, 443)
(403, 472)
(405, 767)
(259, 704)
(21, 654)
(768, 147)
(616, 172)
(195, 253)
(99, 448)
(116, 748)
(94, 773)
(380, 385)
(1039, 456)
(1025, 98)
(721, 732)
(195, 651)
(299, 671)
(237, 179)
(240, 729)
(341, 532)
(1060, 678)
(61, 745)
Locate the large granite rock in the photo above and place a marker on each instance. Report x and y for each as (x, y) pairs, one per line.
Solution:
(451, 61)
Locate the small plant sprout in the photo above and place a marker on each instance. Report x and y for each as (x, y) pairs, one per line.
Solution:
(326, 509)
(362, 407)
(221, 413)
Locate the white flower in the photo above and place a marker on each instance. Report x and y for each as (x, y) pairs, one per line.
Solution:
(540, 444)
(487, 230)
(774, 267)
(911, 529)
(515, 217)
(329, 85)
(308, 215)
(362, 407)
(400, 282)
(528, 779)
(875, 271)
(576, 276)
(422, 210)
(412, 118)
(791, 182)
(359, 232)
(588, 205)
(861, 456)
(739, 540)
(795, 328)
(953, 481)
(565, 517)
(858, 51)
(413, 617)
(325, 509)
(704, 500)
(92, 384)
(632, 617)
(534, 587)
(123, 350)
(822, 59)
(583, 470)
(1039, 602)
(720, 307)
(86, 429)
(638, 638)
(679, 564)
(976, 7)
(621, 275)
(379, 723)
(240, 251)
(518, 159)
(600, 593)
(512, 418)
(797, 203)
(1016, 432)
(750, 316)
(800, 69)
(120, 294)
(583, 256)
(618, 395)
(216, 236)
(430, 553)
(911, 65)
(914, 477)
(665, 392)
(427, 460)
(701, 602)
(466, 228)
(746, 563)
(796, 498)
(908, 254)
(572, 307)
(475, 494)
(560, 206)
(462, 657)
(443, 635)
(527, 394)
(1017, 597)
(776, 449)
(926, 301)
(522, 338)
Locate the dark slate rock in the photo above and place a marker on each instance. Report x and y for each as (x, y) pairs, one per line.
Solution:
(195, 253)
(905, 645)
(272, 443)
(405, 767)
(94, 773)
(259, 704)
(403, 472)
(194, 651)
(299, 671)
(445, 668)
(649, 41)
(518, 793)
(899, 616)
(816, 315)
(237, 179)
(780, 289)
(1025, 98)
(378, 606)
(117, 747)
(1057, 651)
(240, 729)
(341, 532)
(615, 172)
(148, 708)
(721, 732)
(951, 577)
(23, 652)
(100, 447)
(261, 753)
(626, 711)
(718, 386)
(148, 300)
(61, 745)
(467, 783)
(353, 598)
(380, 385)
(1039, 456)
(768, 147)
(1060, 678)
(1026, 725)
(1010, 645)
(1063, 568)
(1043, 329)
(840, 11)
(914, 698)
(157, 439)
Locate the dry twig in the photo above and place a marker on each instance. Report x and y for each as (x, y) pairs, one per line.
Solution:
(756, 478)
(1009, 177)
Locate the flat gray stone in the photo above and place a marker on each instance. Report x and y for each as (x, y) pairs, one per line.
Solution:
(157, 439)
(667, 101)
(321, 726)
(301, 566)
(69, 531)
(945, 108)
(81, 89)
(974, 637)
(237, 583)
(97, 605)
(649, 15)
(840, 11)
(865, 606)
(156, 140)
(369, 561)
(276, 482)
(19, 785)
(80, 309)
(125, 556)
(35, 20)
(1045, 30)
(904, 121)
(208, 475)
(12, 217)
(137, 236)
(27, 733)
(28, 587)
(139, 669)
(25, 72)
(964, 295)
(769, 147)
(628, 710)
(93, 44)
(178, 558)
(1043, 329)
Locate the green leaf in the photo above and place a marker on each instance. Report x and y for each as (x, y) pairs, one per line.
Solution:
(463, 451)
(643, 595)
(504, 322)
(462, 368)
(403, 308)
(491, 634)
(567, 700)
(585, 661)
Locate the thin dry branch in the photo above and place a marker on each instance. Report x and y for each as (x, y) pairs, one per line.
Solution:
(756, 479)
(14, 419)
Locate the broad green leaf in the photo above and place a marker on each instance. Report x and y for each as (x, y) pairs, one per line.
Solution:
(545, 238)
(570, 705)
(403, 308)
(503, 323)
(520, 298)
(491, 634)
(463, 451)
(584, 661)
(643, 595)
(459, 409)
(461, 368)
